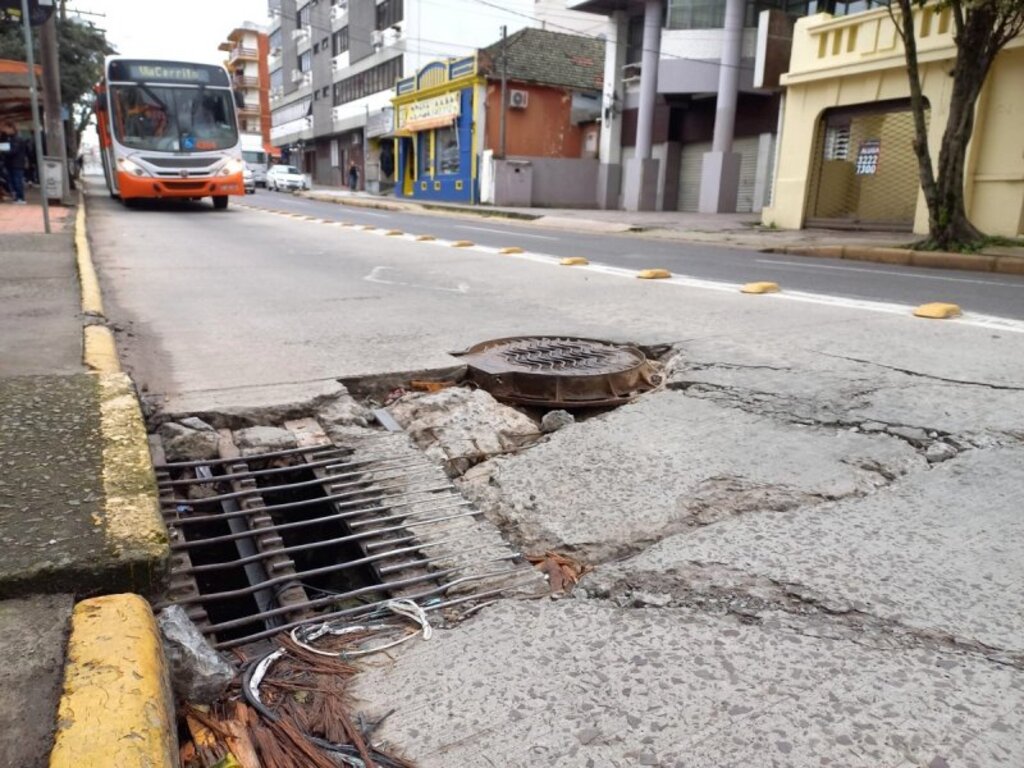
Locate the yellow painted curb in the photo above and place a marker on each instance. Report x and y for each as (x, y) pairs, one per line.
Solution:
(425, 238)
(116, 709)
(574, 261)
(653, 274)
(938, 311)
(1009, 265)
(463, 244)
(100, 351)
(132, 523)
(512, 249)
(394, 233)
(92, 300)
(760, 288)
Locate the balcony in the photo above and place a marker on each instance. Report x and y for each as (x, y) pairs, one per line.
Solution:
(243, 53)
(300, 33)
(245, 81)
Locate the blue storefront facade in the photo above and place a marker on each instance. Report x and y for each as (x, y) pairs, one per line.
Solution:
(437, 132)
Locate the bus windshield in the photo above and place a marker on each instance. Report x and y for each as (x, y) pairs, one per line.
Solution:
(173, 118)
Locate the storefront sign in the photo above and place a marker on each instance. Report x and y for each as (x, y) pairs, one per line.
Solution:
(867, 157)
(429, 113)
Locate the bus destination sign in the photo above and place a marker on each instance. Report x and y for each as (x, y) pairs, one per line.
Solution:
(167, 72)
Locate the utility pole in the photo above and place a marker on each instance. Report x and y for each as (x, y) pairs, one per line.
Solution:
(33, 93)
(52, 106)
(504, 91)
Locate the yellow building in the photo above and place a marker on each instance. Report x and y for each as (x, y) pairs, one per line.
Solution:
(846, 156)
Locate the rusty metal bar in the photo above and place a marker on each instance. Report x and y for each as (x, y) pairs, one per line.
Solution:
(333, 498)
(369, 608)
(255, 557)
(327, 481)
(342, 516)
(262, 472)
(427, 561)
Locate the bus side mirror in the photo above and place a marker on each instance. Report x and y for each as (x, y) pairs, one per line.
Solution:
(239, 99)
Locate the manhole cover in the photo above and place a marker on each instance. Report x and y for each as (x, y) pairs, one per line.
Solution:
(561, 371)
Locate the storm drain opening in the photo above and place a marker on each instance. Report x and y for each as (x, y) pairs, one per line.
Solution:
(267, 542)
(561, 371)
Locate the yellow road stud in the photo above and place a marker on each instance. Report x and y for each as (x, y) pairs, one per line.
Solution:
(463, 244)
(760, 288)
(574, 261)
(653, 274)
(394, 233)
(938, 310)
(425, 238)
(511, 249)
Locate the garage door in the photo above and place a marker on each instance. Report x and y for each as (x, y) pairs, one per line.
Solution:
(691, 159)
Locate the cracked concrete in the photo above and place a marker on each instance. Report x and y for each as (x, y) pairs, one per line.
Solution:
(584, 683)
(654, 467)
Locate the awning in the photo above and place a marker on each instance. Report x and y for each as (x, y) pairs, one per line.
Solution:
(426, 123)
(15, 100)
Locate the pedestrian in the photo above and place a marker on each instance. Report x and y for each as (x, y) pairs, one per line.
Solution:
(17, 162)
(353, 177)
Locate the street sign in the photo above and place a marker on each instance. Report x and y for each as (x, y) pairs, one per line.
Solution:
(39, 11)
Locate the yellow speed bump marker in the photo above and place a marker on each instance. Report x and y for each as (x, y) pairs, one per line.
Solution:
(511, 249)
(463, 244)
(653, 274)
(394, 233)
(760, 288)
(574, 261)
(367, 227)
(425, 238)
(938, 311)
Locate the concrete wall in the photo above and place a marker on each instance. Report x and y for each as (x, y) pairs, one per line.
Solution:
(564, 182)
(859, 59)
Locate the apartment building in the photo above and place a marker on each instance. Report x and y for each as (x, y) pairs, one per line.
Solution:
(246, 47)
(333, 66)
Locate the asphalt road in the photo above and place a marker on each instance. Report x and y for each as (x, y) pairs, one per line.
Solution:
(1001, 295)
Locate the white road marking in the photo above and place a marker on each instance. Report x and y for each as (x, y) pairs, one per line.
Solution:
(361, 212)
(504, 232)
(374, 277)
(894, 273)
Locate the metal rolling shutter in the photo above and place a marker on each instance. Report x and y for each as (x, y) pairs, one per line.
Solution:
(690, 161)
(747, 149)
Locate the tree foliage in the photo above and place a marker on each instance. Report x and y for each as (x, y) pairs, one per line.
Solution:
(81, 48)
(981, 29)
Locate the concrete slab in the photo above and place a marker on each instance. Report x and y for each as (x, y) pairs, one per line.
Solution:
(39, 301)
(33, 638)
(71, 519)
(924, 555)
(611, 485)
(582, 683)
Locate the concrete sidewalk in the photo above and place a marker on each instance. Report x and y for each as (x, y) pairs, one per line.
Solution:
(742, 230)
(70, 478)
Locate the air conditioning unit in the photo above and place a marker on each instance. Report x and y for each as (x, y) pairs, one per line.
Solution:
(296, 75)
(337, 11)
(377, 38)
(300, 32)
(518, 99)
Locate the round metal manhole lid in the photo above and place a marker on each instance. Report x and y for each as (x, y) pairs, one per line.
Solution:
(561, 371)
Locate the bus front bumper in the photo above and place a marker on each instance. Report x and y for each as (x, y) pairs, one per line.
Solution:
(147, 186)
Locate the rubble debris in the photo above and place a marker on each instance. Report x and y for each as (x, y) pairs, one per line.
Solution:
(423, 385)
(263, 440)
(460, 427)
(198, 673)
(185, 443)
(555, 420)
(563, 572)
(561, 371)
(939, 451)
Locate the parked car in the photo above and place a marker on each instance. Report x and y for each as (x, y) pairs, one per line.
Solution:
(286, 177)
(249, 181)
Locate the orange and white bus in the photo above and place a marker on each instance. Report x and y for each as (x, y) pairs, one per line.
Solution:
(168, 129)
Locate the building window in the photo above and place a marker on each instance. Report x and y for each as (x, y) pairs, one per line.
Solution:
(324, 43)
(303, 19)
(277, 78)
(695, 14)
(325, 91)
(837, 142)
(275, 40)
(446, 145)
(339, 41)
(635, 39)
(389, 13)
(305, 62)
(316, 47)
(379, 78)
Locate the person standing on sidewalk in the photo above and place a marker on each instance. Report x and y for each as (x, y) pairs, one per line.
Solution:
(17, 163)
(353, 177)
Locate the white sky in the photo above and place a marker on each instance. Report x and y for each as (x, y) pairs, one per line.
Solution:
(188, 30)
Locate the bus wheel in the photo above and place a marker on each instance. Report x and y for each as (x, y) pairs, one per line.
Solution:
(220, 202)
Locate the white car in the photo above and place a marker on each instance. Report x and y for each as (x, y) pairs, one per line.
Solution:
(286, 177)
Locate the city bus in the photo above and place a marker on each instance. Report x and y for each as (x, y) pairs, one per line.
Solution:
(168, 129)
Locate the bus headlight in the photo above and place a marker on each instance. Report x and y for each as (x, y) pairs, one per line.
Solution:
(126, 165)
(231, 167)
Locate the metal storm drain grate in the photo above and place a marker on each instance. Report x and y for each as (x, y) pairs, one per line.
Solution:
(264, 543)
(561, 371)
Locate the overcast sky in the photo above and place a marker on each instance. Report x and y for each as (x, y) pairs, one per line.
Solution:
(187, 30)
